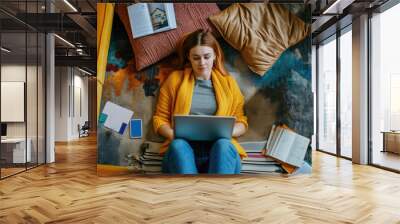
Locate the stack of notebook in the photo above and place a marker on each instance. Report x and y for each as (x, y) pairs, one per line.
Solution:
(151, 162)
(257, 162)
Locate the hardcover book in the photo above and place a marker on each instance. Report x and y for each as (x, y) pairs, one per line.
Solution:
(287, 147)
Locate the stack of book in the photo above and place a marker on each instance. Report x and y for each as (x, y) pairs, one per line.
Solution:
(284, 150)
(256, 162)
(151, 162)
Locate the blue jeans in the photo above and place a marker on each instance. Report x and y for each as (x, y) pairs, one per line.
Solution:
(193, 157)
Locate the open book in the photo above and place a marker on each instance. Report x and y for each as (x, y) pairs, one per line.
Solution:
(287, 147)
(149, 18)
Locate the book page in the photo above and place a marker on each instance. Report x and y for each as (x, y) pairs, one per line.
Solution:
(259, 168)
(162, 16)
(298, 151)
(285, 142)
(271, 134)
(140, 20)
(253, 146)
(275, 138)
(171, 15)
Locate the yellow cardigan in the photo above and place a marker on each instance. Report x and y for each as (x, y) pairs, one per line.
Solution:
(175, 98)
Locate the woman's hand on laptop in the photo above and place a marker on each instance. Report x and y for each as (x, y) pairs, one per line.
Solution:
(166, 131)
(238, 129)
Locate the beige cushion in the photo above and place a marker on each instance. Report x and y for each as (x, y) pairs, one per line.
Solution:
(261, 32)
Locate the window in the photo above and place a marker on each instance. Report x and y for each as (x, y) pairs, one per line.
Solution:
(385, 88)
(327, 96)
(346, 93)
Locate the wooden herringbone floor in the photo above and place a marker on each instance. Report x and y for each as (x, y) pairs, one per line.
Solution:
(70, 192)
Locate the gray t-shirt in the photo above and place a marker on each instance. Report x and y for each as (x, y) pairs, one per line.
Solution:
(203, 100)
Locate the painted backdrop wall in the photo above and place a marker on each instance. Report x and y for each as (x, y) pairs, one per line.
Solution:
(282, 95)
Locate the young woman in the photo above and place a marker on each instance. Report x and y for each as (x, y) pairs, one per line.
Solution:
(201, 87)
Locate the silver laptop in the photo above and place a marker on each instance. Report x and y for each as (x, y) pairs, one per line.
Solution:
(203, 127)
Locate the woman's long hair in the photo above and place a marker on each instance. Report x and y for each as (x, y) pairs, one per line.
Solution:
(200, 38)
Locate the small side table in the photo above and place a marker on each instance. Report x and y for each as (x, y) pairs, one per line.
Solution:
(391, 141)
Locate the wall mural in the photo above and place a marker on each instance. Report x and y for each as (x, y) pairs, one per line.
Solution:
(281, 96)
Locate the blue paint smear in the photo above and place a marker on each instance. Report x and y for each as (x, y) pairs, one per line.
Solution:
(120, 50)
(287, 82)
(108, 152)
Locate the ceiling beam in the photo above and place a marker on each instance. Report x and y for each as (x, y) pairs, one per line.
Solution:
(321, 21)
(330, 15)
(82, 61)
(84, 24)
(337, 7)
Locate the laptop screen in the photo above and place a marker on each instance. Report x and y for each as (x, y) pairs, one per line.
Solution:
(203, 127)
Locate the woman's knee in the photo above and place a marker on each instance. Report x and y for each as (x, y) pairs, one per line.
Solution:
(178, 144)
(224, 158)
(180, 158)
(179, 147)
(223, 146)
(222, 142)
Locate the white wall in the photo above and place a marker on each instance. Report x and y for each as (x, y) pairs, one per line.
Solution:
(71, 94)
(80, 110)
(12, 73)
(16, 73)
(61, 103)
(33, 127)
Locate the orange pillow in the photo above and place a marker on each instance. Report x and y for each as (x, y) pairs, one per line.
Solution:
(261, 32)
(152, 48)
